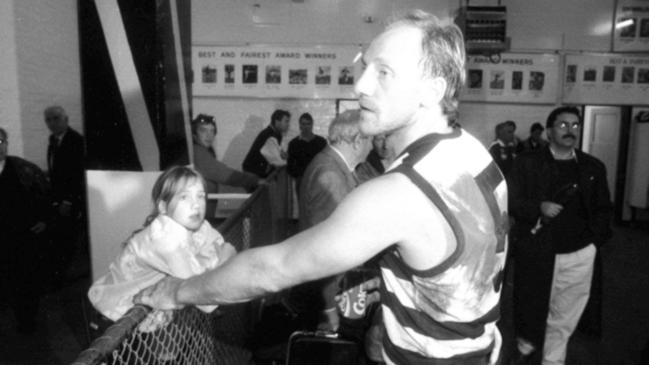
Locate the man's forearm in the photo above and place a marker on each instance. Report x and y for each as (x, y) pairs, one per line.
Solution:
(242, 278)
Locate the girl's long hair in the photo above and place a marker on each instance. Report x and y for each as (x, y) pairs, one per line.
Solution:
(167, 186)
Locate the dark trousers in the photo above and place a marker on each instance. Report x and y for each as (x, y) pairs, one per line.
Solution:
(65, 238)
(21, 276)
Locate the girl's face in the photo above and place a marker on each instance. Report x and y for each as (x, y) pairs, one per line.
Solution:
(187, 207)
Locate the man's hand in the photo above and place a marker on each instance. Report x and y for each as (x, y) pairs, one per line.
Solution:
(162, 295)
(329, 320)
(550, 209)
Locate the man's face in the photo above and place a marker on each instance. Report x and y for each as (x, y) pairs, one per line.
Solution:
(380, 146)
(507, 134)
(56, 122)
(4, 146)
(390, 89)
(536, 135)
(565, 131)
(283, 124)
(306, 126)
(205, 134)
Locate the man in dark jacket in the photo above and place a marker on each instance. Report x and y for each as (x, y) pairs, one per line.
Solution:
(24, 213)
(303, 148)
(265, 153)
(560, 200)
(65, 162)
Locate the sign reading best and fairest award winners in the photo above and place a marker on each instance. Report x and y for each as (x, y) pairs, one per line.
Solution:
(271, 72)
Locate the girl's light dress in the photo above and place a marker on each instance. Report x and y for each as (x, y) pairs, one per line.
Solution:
(164, 247)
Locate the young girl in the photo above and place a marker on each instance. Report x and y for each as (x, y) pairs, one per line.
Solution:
(175, 240)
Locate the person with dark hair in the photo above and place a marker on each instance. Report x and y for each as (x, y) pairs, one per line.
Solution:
(214, 171)
(303, 148)
(560, 200)
(266, 152)
(65, 162)
(377, 160)
(436, 220)
(504, 149)
(25, 213)
(535, 141)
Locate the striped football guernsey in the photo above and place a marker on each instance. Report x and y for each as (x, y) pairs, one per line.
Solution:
(447, 314)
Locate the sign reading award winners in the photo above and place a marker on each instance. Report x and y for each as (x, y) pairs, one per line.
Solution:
(272, 72)
(631, 26)
(606, 79)
(515, 78)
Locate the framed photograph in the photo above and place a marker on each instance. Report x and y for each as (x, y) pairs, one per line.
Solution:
(475, 79)
(249, 74)
(274, 74)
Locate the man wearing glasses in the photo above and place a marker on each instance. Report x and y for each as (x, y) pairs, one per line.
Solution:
(560, 200)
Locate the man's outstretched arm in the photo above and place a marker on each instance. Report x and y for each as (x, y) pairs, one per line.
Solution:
(365, 223)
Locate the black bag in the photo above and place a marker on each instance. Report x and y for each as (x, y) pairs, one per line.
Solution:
(321, 348)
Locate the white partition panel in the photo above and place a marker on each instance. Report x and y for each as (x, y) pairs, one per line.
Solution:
(118, 203)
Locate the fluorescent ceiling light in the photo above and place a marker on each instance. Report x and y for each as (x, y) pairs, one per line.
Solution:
(623, 24)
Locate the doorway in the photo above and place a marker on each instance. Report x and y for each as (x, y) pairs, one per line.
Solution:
(605, 135)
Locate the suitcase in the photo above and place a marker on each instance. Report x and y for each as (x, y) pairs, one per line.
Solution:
(321, 348)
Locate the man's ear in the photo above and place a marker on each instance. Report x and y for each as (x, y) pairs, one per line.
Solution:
(432, 91)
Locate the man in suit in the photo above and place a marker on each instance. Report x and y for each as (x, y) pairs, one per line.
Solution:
(65, 162)
(330, 175)
(24, 216)
(326, 181)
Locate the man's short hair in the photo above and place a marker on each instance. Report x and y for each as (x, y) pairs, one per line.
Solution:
(443, 54)
(4, 133)
(344, 127)
(200, 120)
(536, 127)
(55, 109)
(278, 115)
(499, 128)
(510, 123)
(306, 116)
(560, 110)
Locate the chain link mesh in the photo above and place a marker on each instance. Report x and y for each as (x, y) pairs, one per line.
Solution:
(194, 337)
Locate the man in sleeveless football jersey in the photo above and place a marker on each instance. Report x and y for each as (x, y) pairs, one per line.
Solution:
(437, 218)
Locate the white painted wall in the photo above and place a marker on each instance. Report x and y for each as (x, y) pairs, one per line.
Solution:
(9, 110)
(542, 26)
(48, 71)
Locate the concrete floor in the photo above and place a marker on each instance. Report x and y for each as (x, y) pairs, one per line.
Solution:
(62, 333)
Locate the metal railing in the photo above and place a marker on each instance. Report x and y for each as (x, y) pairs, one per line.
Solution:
(194, 337)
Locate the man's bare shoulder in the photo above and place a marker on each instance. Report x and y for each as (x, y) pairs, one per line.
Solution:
(386, 201)
(393, 210)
